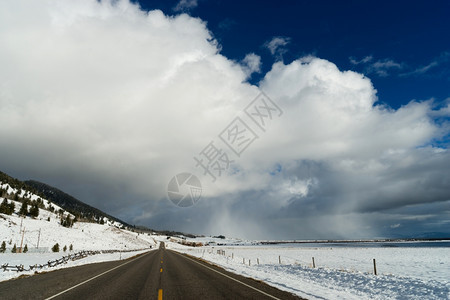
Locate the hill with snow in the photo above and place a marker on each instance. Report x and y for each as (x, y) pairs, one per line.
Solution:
(27, 218)
(41, 233)
(31, 226)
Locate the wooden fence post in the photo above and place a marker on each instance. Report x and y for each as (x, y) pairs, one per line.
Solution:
(314, 263)
(374, 267)
(279, 259)
(257, 260)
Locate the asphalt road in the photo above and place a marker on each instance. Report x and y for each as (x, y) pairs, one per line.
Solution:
(158, 274)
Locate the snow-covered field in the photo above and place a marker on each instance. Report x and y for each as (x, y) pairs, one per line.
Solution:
(341, 272)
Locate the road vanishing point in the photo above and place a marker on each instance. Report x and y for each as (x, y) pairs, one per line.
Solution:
(157, 274)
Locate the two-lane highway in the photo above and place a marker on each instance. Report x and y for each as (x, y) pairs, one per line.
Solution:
(159, 274)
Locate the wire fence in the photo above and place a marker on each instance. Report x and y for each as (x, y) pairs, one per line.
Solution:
(62, 260)
(272, 258)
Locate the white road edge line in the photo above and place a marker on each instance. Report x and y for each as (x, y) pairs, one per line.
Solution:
(81, 283)
(268, 295)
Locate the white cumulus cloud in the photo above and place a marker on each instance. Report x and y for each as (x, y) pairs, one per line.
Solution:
(184, 5)
(109, 102)
(277, 44)
(251, 64)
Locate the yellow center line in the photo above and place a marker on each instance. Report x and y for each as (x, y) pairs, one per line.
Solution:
(160, 294)
(160, 291)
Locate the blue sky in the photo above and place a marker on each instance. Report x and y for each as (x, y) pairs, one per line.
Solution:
(109, 100)
(402, 46)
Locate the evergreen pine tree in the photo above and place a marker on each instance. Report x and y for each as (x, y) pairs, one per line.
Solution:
(68, 221)
(24, 208)
(70, 247)
(12, 206)
(3, 206)
(3, 247)
(65, 248)
(6, 208)
(55, 248)
(34, 210)
(25, 249)
(14, 249)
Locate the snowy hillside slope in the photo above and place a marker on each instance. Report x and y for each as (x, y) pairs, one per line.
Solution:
(46, 230)
(40, 234)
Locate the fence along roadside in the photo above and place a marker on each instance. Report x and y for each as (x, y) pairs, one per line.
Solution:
(62, 260)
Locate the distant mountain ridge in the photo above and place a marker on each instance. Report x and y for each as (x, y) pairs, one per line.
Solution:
(69, 202)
